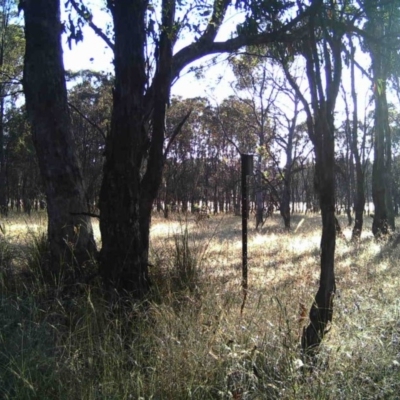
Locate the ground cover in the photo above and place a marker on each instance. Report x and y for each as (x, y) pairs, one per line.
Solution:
(189, 341)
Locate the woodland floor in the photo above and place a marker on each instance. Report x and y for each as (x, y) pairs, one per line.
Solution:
(191, 341)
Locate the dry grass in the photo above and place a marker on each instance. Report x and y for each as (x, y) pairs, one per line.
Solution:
(190, 341)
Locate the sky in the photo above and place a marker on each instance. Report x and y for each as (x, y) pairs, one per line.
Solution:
(94, 54)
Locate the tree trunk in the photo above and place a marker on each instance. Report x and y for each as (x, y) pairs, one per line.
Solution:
(215, 200)
(388, 165)
(123, 261)
(349, 178)
(259, 206)
(322, 308)
(69, 231)
(133, 163)
(381, 188)
(3, 175)
(380, 224)
(320, 126)
(285, 203)
(359, 201)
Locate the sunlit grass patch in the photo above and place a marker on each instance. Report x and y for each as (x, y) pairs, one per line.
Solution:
(190, 340)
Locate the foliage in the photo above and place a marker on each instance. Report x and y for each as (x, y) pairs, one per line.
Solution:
(90, 101)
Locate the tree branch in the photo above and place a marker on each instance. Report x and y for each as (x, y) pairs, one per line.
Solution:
(206, 46)
(95, 28)
(88, 120)
(176, 132)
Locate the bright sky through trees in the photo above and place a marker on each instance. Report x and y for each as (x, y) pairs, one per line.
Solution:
(94, 54)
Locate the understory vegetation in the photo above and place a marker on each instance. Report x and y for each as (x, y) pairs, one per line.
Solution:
(188, 339)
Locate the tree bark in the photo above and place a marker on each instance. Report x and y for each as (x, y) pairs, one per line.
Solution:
(3, 175)
(3, 168)
(134, 148)
(322, 307)
(133, 165)
(381, 179)
(380, 224)
(359, 202)
(123, 260)
(285, 203)
(69, 231)
(320, 126)
(287, 175)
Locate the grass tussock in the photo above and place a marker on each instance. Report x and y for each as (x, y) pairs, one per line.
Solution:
(189, 340)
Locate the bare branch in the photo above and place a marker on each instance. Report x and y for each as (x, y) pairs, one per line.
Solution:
(88, 120)
(176, 132)
(95, 28)
(206, 45)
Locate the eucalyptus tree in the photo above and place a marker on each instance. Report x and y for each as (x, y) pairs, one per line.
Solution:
(290, 139)
(11, 62)
(69, 229)
(144, 35)
(179, 150)
(90, 102)
(357, 134)
(321, 51)
(381, 39)
(255, 90)
(23, 177)
(236, 121)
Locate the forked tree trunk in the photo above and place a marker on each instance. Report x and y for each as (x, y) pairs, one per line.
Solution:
(133, 162)
(123, 262)
(69, 232)
(320, 125)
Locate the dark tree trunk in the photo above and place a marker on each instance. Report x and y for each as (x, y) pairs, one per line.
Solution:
(322, 308)
(133, 164)
(388, 165)
(3, 175)
(320, 125)
(380, 224)
(221, 203)
(285, 204)
(134, 148)
(287, 176)
(381, 171)
(215, 200)
(123, 263)
(359, 205)
(69, 232)
(3, 169)
(359, 201)
(350, 172)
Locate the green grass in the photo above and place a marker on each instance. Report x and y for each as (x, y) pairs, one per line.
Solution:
(190, 341)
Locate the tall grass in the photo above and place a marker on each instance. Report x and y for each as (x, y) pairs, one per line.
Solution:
(189, 341)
